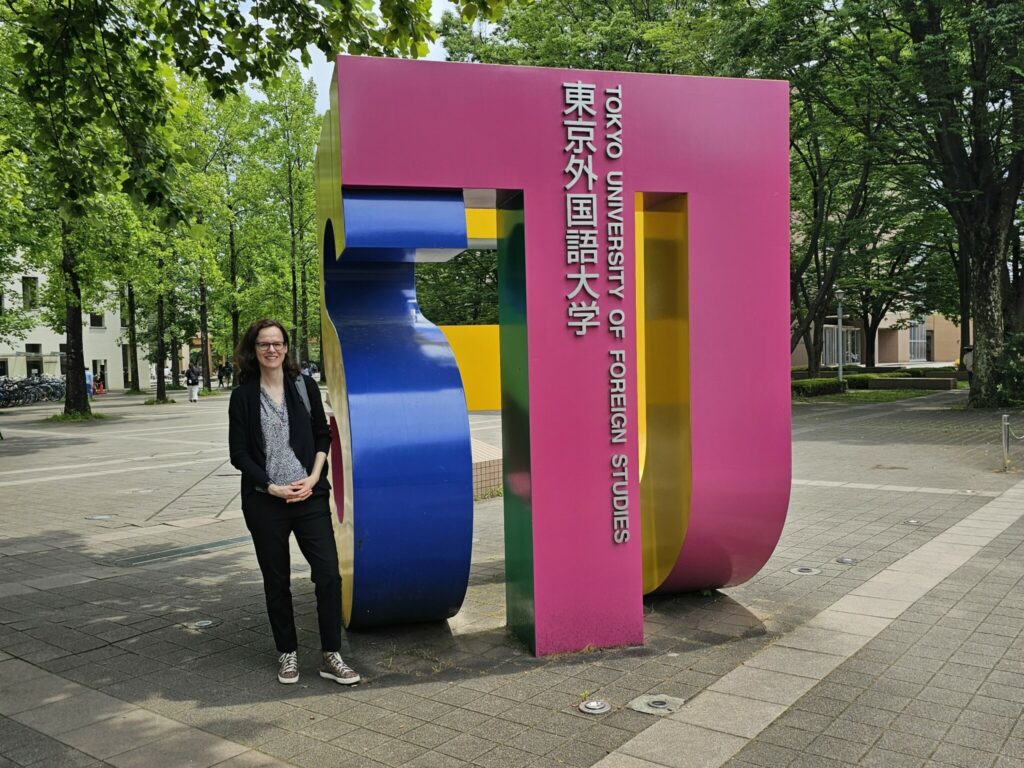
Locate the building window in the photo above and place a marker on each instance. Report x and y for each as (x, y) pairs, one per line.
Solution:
(851, 346)
(3, 368)
(95, 319)
(918, 343)
(34, 359)
(63, 359)
(30, 292)
(124, 312)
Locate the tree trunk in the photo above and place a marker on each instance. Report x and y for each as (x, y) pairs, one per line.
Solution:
(161, 331)
(294, 351)
(175, 358)
(962, 266)
(236, 315)
(817, 346)
(76, 398)
(304, 313)
(204, 334)
(989, 328)
(133, 340)
(1016, 282)
(870, 330)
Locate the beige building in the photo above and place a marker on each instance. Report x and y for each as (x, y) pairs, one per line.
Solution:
(900, 341)
(43, 351)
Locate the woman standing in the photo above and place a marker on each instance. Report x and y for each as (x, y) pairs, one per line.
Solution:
(279, 439)
(192, 380)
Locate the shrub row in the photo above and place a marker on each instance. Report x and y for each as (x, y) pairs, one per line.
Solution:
(860, 380)
(815, 387)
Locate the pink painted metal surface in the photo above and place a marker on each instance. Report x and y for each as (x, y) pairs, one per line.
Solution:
(724, 143)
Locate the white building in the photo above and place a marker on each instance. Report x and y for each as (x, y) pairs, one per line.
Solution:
(42, 351)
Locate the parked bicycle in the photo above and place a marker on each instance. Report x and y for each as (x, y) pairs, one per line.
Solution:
(34, 389)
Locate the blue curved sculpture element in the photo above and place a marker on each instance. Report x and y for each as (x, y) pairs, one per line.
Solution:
(403, 425)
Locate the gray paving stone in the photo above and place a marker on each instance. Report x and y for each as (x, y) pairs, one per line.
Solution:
(189, 747)
(73, 712)
(681, 745)
(963, 757)
(202, 679)
(122, 733)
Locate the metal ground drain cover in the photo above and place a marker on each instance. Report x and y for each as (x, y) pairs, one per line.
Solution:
(134, 491)
(595, 707)
(805, 570)
(913, 521)
(656, 704)
(100, 517)
(203, 623)
(847, 560)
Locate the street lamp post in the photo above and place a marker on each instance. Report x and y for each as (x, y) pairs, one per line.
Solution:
(839, 318)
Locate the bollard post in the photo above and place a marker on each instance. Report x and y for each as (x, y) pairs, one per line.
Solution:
(1006, 442)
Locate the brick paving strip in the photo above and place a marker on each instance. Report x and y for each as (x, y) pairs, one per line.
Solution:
(723, 719)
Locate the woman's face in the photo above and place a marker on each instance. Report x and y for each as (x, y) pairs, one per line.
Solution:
(270, 348)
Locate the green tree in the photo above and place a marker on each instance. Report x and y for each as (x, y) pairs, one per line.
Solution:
(97, 82)
(290, 130)
(949, 77)
(463, 291)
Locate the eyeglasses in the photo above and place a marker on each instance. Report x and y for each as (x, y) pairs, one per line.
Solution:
(266, 346)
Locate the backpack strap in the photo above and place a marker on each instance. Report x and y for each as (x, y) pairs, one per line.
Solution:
(300, 385)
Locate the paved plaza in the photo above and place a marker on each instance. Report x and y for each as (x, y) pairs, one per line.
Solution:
(119, 535)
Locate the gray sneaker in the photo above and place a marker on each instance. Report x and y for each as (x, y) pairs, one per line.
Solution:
(335, 668)
(288, 671)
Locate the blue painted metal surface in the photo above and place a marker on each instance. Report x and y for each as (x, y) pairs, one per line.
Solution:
(412, 481)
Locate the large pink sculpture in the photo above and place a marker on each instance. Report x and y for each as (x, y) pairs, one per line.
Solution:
(613, 191)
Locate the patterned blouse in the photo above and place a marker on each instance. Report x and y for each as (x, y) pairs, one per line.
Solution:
(283, 466)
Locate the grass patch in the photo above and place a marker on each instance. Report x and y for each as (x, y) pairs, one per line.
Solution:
(862, 396)
(65, 417)
(212, 392)
(154, 401)
(494, 493)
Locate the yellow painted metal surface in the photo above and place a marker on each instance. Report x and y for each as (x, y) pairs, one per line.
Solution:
(331, 240)
(482, 228)
(663, 382)
(477, 354)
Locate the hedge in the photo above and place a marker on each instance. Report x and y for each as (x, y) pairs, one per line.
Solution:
(814, 387)
(860, 380)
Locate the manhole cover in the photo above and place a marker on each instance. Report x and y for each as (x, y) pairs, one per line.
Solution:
(203, 623)
(805, 570)
(656, 704)
(100, 517)
(595, 707)
(847, 560)
(134, 491)
(913, 521)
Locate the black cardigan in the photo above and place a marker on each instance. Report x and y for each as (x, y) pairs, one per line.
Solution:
(308, 434)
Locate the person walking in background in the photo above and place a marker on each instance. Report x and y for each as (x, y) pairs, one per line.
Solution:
(192, 379)
(279, 439)
(220, 377)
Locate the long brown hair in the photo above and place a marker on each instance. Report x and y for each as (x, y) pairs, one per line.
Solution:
(246, 363)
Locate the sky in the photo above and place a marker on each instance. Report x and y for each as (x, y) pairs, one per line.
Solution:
(320, 69)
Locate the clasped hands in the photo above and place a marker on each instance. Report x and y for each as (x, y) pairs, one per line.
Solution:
(300, 490)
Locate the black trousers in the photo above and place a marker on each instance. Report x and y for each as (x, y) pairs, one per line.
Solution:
(271, 521)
